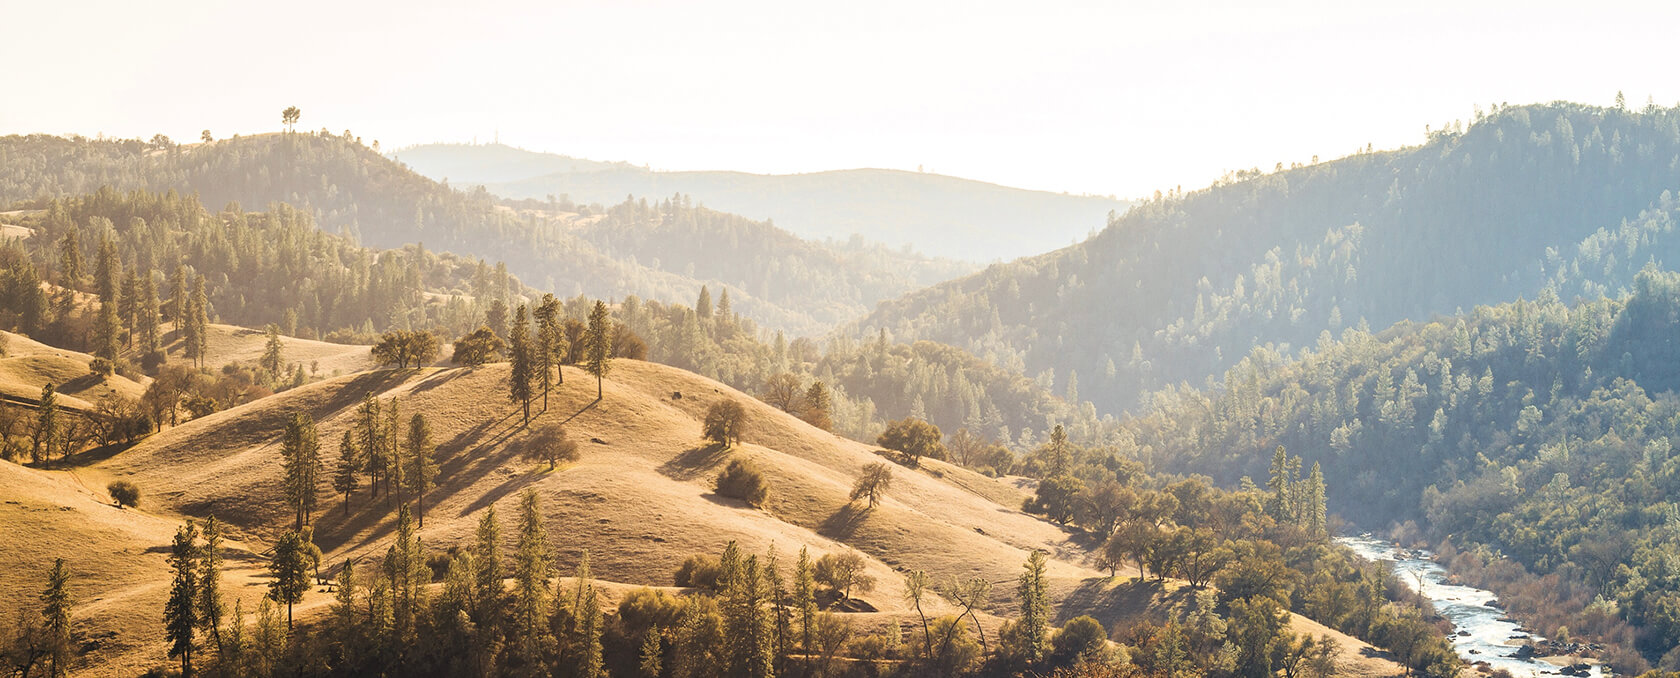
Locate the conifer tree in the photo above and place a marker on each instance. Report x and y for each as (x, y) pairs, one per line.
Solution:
(147, 316)
(1280, 503)
(586, 608)
(369, 434)
(128, 307)
(302, 452)
(350, 462)
(46, 426)
(180, 613)
(272, 358)
(390, 449)
(781, 617)
(107, 281)
(703, 305)
(209, 601)
(422, 467)
(549, 342)
(599, 361)
(522, 370)
(178, 294)
(805, 598)
(817, 406)
(290, 568)
(404, 563)
(652, 663)
(531, 570)
(55, 617)
(487, 577)
(1035, 610)
(1315, 503)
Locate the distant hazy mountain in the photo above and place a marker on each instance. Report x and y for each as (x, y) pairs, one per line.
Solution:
(666, 250)
(938, 215)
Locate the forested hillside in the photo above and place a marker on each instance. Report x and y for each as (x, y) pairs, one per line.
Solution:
(1536, 430)
(939, 215)
(1562, 196)
(349, 188)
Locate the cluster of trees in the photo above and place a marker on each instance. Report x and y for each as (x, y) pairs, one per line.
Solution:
(243, 268)
(509, 614)
(1180, 288)
(1533, 434)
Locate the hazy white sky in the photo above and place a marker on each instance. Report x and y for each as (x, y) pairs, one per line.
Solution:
(1105, 97)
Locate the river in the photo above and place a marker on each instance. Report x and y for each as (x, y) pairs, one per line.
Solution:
(1465, 606)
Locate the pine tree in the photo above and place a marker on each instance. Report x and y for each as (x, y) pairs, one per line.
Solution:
(781, 618)
(531, 570)
(302, 456)
(586, 607)
(150, 342)
(522, 366)
(1315, 501)
(178, 294)
(290, 568)
(272, 358)
(211, 607)
(404, 563)
(422, 468)
(128, 306)
(487, 557)
(368, 433)
(350, 462)
(46, 426)
(55, 617)
(1280, 502)
(1035, 610)
(599, 361)
(70, 261)
(550, 342)
(817, 406)
(652, 654)
(805, 598)
(180, 613)
(107, 278)
(703, 305)
(390, 450)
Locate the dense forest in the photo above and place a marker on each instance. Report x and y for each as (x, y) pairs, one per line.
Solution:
(1536, 431)
(258, 268)
(1181, 287)
(349, 188)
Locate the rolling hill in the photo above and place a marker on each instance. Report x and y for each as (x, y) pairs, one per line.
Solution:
(939, 215)
(1558, 199)
(639, 498)
(346, 188)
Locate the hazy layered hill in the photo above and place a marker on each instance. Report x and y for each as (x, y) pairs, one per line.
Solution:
(939, 215)
(349, 188)
(1561, 196)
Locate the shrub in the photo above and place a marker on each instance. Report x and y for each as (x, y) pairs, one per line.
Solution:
(125, 493)
(744, 482)
(549, 443)
(1081, 638)
(723, 422)
(102, 367)
(477, 348)
(700, 571)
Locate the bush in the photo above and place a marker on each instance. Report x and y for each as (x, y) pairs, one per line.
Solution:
(741, 481)
(700, 571)
(1081, 638)
(102, 367)
(125, 493)
(723, 422)
(152, 361)
(844, 573)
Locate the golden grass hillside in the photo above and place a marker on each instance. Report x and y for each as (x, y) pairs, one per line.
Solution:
(639, 497)
(29, 365)
(234, 344)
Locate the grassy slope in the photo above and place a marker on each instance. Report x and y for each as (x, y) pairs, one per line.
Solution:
(29, 365)
(639, 499)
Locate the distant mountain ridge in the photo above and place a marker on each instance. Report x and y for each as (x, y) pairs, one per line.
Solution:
(665, 254)
(1560, 199)
(939, 215)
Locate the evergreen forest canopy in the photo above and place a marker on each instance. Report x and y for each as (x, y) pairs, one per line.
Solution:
(1571, 198)
(943, 216)
(350, 189)
(1536, 431)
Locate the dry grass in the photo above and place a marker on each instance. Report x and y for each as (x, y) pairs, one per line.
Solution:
(639, 497)
(233, 344)
(30, 365)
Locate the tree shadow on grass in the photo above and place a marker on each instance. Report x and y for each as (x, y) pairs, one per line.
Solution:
(694, 462)
(1128, 601)
(844, 522)
(440, 378)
